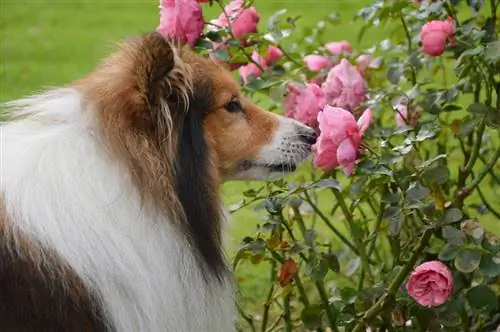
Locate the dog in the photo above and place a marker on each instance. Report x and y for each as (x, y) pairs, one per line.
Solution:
(110, 217)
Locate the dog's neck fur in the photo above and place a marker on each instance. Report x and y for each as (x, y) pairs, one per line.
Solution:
(75, 198)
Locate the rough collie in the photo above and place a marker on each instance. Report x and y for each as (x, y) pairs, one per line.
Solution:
(110, 217)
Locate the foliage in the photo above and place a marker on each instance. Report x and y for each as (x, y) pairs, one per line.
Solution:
(345, 268)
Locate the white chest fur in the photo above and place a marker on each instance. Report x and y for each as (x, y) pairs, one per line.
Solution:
(61, 188)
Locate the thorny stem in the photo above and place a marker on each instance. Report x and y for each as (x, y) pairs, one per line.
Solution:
(475, 152)
(357, 237)
(487, 204)
(462, 193)
(287, 313)
(329, 224)
(319, 284)
(410, 47)
(387, 299)
(247, 318)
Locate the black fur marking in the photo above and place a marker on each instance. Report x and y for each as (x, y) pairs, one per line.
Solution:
(195, 185)
(34, 298)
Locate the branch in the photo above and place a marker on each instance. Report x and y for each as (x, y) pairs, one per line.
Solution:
(357, 239)
(462, 193)
(387, 299)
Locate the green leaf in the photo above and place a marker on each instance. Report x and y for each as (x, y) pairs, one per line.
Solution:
(452, 108)
(490, 266)
(395, 73)
(424, 134)
(348, 295)
(478, 108)
(439, 174)
(475, 4)
(222, 54)
(492, 51)
(452, 215)
(396, 223)
(214, 36)
(311, 316)
(331, 261)
(482, 298)
(468, 260)
(416, 193)
(453, 235)
(448, 252)
(328, 183)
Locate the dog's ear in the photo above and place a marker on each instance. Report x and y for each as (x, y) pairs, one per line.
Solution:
(161, 71)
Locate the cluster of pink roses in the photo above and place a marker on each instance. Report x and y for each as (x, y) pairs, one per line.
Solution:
(328, 101)
(327, 105)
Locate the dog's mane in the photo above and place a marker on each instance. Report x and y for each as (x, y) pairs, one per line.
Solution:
(150, 110)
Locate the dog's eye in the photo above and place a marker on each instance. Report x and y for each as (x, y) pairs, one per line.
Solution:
(234, 106)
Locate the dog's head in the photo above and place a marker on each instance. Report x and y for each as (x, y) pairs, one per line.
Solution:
(181, 125)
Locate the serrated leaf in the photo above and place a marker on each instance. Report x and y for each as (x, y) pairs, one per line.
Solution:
(490, 266)
(478, 108)
(453, 235)
(331, 261)
(452, 215)
(492, 51)
(468, 260)
(396, 223)
(311, 316)
(416, 193)
(328, 183)
(482, 298)
(221, 54)
(439, 174)
(448, 252)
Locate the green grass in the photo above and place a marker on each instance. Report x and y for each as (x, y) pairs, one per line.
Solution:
(49, 43)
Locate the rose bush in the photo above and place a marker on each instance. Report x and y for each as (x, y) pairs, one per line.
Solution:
(384, 229)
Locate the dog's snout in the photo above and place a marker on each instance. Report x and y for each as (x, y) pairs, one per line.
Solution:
(309, 136)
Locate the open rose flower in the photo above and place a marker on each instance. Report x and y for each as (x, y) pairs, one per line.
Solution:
(340, 138)
(304, 103)
(181, 20)
(243, 20)
(339, 47)
(344, 86)
(317, 62)
(434, 36)
(430, 284)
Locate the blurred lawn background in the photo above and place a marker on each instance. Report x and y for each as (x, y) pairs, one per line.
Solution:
(47, 43)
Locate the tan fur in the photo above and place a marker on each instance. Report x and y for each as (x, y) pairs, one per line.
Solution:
(119, 91)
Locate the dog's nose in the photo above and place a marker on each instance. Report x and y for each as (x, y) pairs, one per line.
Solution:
(309, 136)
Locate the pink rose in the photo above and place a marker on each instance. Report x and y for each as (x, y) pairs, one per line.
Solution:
(434, 36)
(273, 56)
(181, 20)
(304, 103)
(243, 20)
(401, 114)
(340, 138)
(339, 47)
(252, 68)
(344, 86)
(317, 62)
(430, 284)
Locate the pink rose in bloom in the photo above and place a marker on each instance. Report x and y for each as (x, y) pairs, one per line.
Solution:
(181, 20)
(304, 103)
(344, 86)
(339, 47)
(252, 68)
(317, 62)
(430, 284)
(434, 36)
(340, 138)
(273, 56)
(243, 20)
